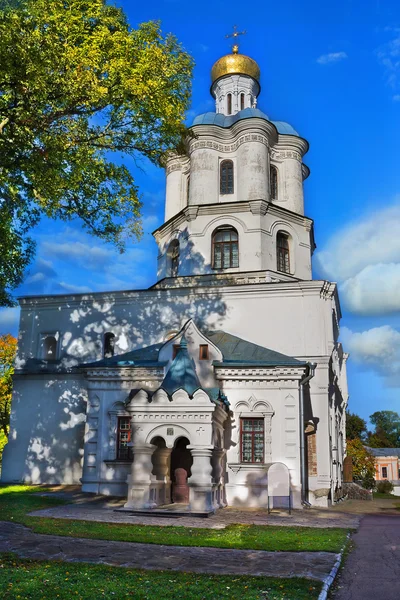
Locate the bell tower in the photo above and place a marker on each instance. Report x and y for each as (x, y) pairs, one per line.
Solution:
(234, 201)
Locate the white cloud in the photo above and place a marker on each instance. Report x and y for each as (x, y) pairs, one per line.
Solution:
(375, 289)
(86, 255)
(9, 318)
(378, 349)
(332, 57)
(389, 57)
(364, 257)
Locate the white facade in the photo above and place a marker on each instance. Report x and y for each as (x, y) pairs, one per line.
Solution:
(237, 299)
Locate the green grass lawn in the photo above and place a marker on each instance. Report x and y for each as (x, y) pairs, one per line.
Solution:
(40, 580)
(17, 501)
(381, 496)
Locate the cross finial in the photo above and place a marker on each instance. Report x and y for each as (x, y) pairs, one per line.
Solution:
(234, 35)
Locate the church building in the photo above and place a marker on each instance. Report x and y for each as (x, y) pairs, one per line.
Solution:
(222, 384)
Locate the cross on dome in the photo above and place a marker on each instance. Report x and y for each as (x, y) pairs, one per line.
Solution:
(234, 35)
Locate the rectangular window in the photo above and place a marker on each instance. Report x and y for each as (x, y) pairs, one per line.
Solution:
(175, 349)
(252, 440)
(203, 353)
(124, 452)
(384, 472)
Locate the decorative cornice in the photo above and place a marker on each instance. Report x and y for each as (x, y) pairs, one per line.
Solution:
(240, 132)
(259, 372)
(282, 154)
(250, 137)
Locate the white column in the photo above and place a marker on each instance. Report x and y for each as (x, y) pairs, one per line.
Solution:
(200, 482)
(139, 480)
(217, 461)
(293, 193)
(161, 468)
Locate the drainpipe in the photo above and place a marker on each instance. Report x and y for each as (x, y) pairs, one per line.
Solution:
(304, 492)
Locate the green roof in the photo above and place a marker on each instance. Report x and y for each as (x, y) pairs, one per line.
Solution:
(182, 373)
(237, 351)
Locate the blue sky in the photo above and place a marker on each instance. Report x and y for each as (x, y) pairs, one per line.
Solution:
(332, 70)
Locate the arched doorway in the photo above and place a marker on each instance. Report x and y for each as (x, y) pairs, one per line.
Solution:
(181, 463)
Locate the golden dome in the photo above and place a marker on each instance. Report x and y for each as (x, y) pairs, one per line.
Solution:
(235, 63)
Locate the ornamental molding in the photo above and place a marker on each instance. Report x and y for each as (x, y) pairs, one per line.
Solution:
(177, 163)
(219, 147)
(282, 154)
(151, 417)
(260, 373)
(129, 373)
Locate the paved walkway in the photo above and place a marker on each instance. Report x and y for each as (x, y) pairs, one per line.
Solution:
(372, 570)
(97, 508)
(21, 540)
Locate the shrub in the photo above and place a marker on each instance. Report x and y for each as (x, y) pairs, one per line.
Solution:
(384, 487)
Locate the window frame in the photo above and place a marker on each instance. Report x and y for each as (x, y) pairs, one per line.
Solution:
(207, 352)
(108, 336)
(120, 430)
(173, 258)
(42, 341)
(283, 253)
(274, 189)
(384, 472)
(226, 179)
(175, 350)
(221, 244)
(229, 104)
(242, 101)
(253, 432)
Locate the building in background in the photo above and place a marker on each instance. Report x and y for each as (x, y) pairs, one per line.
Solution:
(387, 466)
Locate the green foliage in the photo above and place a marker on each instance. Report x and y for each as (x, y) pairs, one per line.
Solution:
(16, 505)
(40, 579)
(356, 427)
(8, 350)
(384, 487)
(363, 462)
(79, 89)
(387, 430)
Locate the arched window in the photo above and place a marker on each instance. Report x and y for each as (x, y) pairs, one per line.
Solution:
(273, 175)
(109, 345)
(225, 248)
(241, 101)
(50, 347)
(187, 189)
(282, 252)
(173, 259)
(229, 104)
(226, 177)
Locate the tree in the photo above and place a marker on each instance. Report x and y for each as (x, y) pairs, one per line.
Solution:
(356, 427)
(387, 429)
(8, 350)
(79, 91)
(363, 462)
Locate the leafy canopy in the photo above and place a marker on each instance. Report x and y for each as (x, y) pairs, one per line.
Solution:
(8, 350)
(79, 90)
(363, 462)
(356, 427)
(387, 429)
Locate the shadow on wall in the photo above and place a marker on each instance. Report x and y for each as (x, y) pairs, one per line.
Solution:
(46, 437)
(48, 410)
(137, 318)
